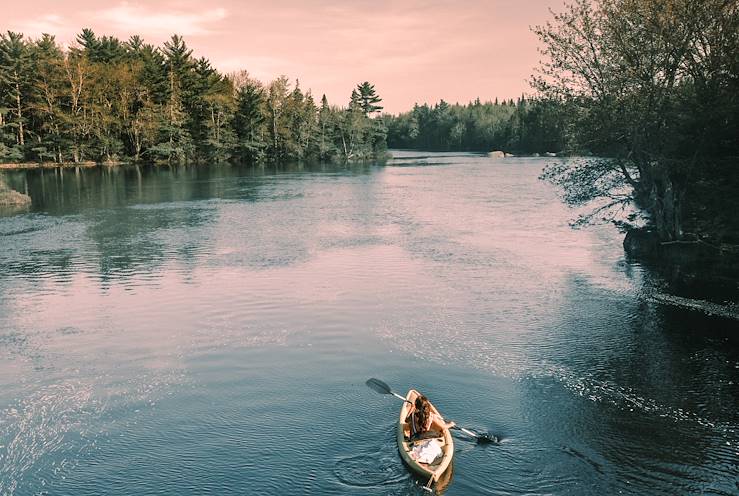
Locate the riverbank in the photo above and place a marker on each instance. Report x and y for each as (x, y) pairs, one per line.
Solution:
(52, 165)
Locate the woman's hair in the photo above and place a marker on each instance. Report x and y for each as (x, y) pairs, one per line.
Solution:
(423, 410)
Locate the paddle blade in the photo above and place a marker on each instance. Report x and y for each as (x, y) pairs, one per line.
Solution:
(379, 386)
(481, 438)
(486, 438)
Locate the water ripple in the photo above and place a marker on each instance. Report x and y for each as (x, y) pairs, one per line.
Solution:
(53, 420)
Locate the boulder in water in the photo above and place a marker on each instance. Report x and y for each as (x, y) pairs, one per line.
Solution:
(496, 154)
(641, 242)
(11, 198)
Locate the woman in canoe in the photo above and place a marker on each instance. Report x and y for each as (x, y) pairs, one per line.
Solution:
(421, 417)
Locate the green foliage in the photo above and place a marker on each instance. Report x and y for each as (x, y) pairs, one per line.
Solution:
(107, 100)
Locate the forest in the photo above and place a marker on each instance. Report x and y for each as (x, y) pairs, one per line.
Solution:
(524, 126)
(108, 101)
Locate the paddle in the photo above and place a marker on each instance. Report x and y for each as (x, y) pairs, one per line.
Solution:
(383, 388)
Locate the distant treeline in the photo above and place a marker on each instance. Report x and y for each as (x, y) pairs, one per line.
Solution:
(523, 126)
(107, 100)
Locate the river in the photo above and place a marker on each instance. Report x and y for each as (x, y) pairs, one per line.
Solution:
(209, 329)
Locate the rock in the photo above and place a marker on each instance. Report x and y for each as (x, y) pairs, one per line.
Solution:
(536, 155)
(497, 154)
(11, 198)
(641, 242)
(550, 154)
(509, 154)
(645, 243)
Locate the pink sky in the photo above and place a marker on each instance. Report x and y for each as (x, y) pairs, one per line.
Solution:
(412, 50)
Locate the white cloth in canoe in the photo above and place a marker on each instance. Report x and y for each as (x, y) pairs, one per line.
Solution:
(426, 451)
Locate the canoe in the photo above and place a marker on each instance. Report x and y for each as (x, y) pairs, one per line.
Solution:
(432, 471)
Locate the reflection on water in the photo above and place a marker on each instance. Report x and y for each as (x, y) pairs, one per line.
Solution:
(210, 328)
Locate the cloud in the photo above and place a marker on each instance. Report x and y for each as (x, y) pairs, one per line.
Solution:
(50, 23)
(140, 19)
(53, 24)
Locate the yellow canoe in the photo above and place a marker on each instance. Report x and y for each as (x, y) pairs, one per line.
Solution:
(431, 471)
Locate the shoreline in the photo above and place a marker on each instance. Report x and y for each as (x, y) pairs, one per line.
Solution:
(52, 165)
(16, 166)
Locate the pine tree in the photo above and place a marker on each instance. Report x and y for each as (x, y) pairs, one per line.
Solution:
(250, 120)
(87, 40)
(15, 82)
(326, 149)
(207, 101)
(176, 142)
(367, 98)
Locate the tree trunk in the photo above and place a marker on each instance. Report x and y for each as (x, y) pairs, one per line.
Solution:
(19, 110)
(136, 142)
(659, 194)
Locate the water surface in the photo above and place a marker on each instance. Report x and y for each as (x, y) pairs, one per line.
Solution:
(210, 328)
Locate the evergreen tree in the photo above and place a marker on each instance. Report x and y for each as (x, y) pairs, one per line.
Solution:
(15, 87)
(250, 120)
(367, 98)
(176, 145)
(87, 40)
(326, 148)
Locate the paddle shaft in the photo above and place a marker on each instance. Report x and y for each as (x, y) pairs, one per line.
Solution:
(400, 397)
(470, 433)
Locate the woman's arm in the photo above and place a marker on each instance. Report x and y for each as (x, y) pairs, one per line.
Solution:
(440, 420)
(409, 417)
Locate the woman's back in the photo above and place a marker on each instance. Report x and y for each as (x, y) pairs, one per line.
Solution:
(420, 416)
